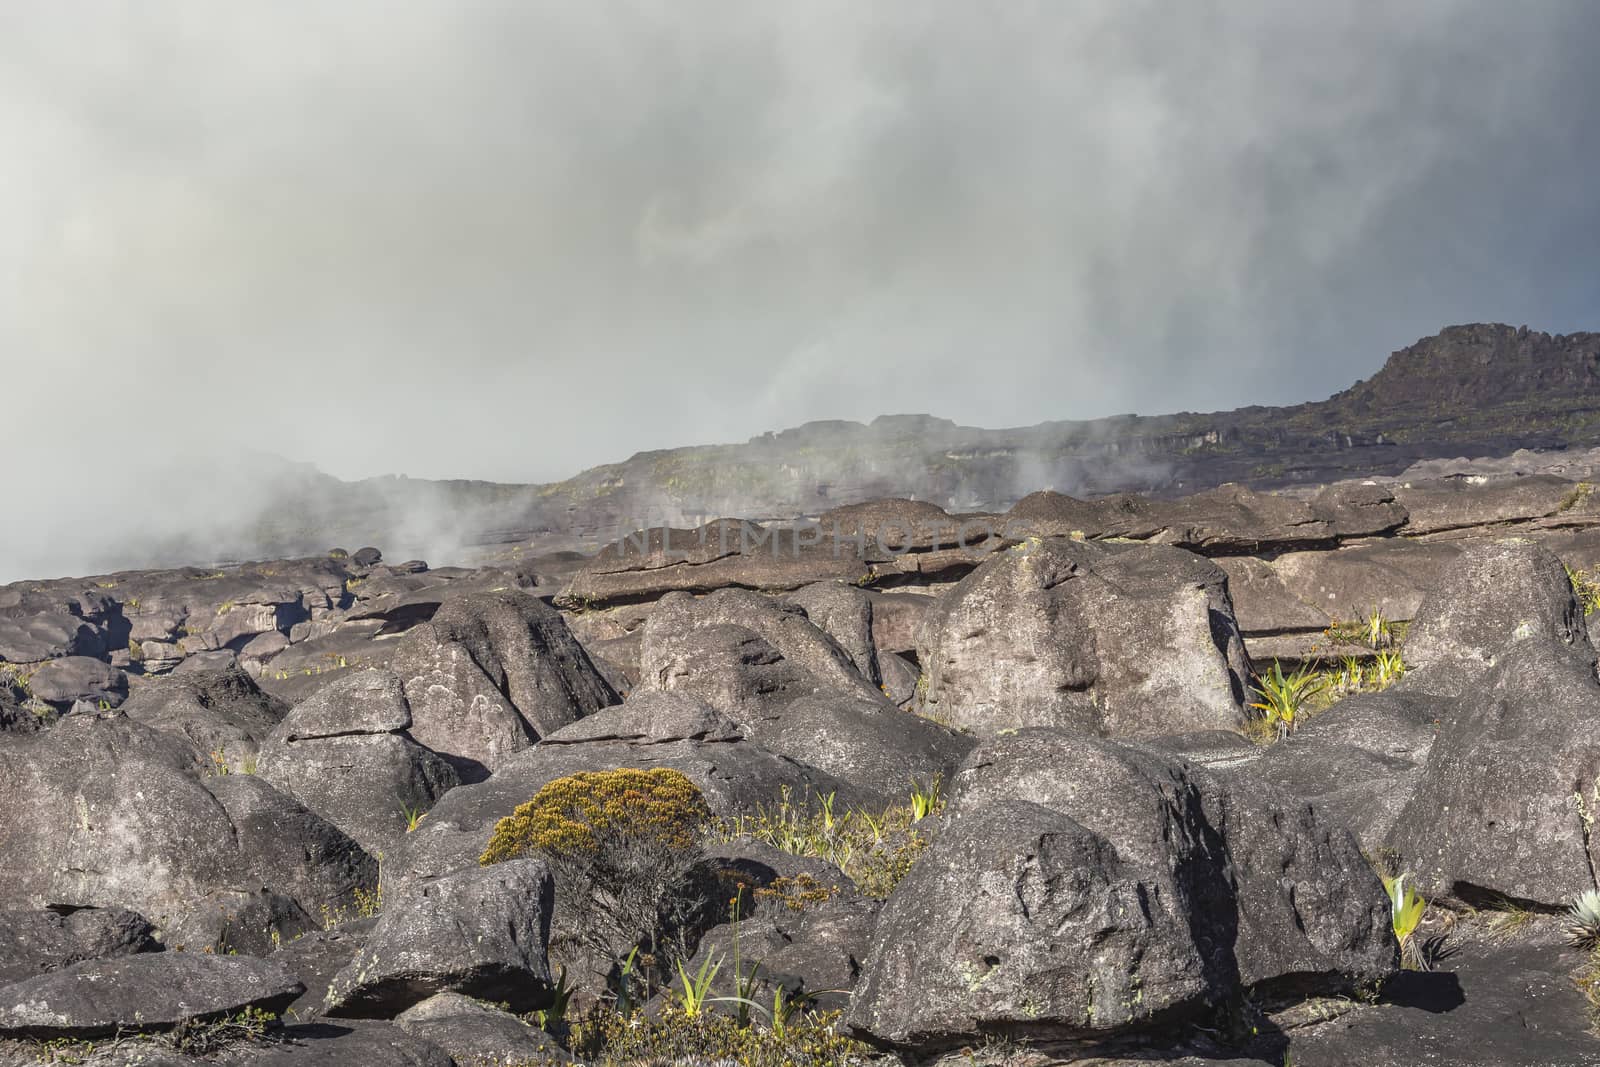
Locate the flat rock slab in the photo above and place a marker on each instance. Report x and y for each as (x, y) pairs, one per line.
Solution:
(1490, 1005)
(151, 991)
(351, 1044)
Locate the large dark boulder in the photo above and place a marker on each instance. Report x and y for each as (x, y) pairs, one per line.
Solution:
(673, 656)
(475, 1032)
(61, 683)
(843, 612)
(482, 931)
(346, 754)
(491, 674)
(1507, 799)
(1122, 642)
(350, 1043)
(36, 942)
(1355, 763)
(1082, 887)
(152, 991)
(222, 713)
(873, 747)
(1496, 595)
(107, 813)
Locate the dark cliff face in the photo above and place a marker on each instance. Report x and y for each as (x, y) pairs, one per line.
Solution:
(1481, 366)
(1477, 390)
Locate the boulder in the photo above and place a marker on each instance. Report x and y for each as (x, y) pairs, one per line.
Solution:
(1506, 801)
(1496, 595)
(721, 554)
(807, 653)
(350, 1043)
(151, 991)
(844, 613)
(61, 683)
(490, 675)
(31, 637)
(39, 941)
(481, 931)
(108, 813)
(473, 1032)
(223, 714)
(1082, 887)
(817, 951)
(1124, 642)
(1355, 763)
(873, 747)
(346, 754)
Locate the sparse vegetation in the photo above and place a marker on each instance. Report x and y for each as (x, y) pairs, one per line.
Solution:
(874, 850)
(609, 1039)
(625, 842)
(1586, 587)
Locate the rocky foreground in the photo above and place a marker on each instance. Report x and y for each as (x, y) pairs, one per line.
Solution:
(1106, 781)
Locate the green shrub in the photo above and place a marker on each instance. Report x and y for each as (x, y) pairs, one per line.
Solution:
(624, 843)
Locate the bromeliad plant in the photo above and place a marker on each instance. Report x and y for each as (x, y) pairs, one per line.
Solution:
(1283, 697)
(1406, 906)
(1583, 921)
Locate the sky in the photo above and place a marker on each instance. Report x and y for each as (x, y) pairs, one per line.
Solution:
(508, 241)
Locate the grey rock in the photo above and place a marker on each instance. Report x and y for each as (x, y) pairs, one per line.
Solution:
(109, 813)
(1494, 596)
(803, 650)
(35, 942)
(844, 613)
(482, 931)
(491, 674)
(351, 1043)
(151, 991)
(223, 714)
(1132, 643)
(1507, 797)
(1081, 887)
(473, 1032)
(362, 702)
(63, 682)
(871, 746)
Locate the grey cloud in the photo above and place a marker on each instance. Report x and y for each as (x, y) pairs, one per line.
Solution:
(510, 240)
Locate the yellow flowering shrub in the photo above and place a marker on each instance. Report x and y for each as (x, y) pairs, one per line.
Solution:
(586, 813)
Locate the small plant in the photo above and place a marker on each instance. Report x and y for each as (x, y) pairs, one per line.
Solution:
(1283, 696)
(1586, 587)
(1406, 906)
(1583, 921)
(695, 992)
(925, 802)
(1387, 669)
(554, 1018)
(412, 816)
(197, 1037)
